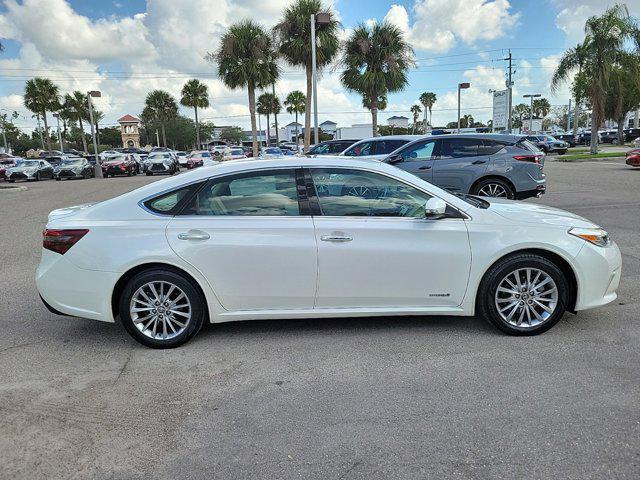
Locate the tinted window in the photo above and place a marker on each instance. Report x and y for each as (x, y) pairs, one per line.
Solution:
(459, 147)
(419, 151)
(385, 147)
(267, 193)
(168, 203)
(320, 149)
(339, 147)
(489, 147)
(359, 149)
(343, 192)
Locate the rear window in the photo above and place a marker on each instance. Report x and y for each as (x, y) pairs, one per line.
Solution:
(385, 147)
(171, 203)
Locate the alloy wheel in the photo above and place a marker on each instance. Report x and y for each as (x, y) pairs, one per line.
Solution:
(160, 310)
(526, 297)
(493, 190)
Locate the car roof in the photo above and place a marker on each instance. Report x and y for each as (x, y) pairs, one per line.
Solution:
(392, 137)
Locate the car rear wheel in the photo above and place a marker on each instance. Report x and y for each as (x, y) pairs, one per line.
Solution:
(161, 308)
(494, 187)
(524, 294)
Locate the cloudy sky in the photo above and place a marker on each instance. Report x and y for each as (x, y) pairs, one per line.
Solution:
(125, 48)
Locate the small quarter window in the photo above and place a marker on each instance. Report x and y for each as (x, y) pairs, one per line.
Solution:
(170, 203)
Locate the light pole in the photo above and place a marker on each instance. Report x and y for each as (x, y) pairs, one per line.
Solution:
(97, 168)
(461, 86)
(157, 137)
(57, 115)
(531, 96)
(317, 19)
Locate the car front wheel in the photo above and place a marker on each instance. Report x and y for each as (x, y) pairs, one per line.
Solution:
(493, 187)
(524, 294)
(162, 308)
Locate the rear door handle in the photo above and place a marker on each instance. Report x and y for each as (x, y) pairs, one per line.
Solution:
(194, 235)
(336, 238)
(478, 162)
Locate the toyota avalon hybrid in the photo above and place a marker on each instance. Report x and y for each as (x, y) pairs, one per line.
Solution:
(316, 238)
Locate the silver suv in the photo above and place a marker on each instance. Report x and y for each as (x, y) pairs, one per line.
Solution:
(491, 165)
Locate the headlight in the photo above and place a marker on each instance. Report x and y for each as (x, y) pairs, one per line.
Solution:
(597, 236)
(167, 162)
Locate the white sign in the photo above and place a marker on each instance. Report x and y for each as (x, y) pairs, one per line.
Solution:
(500, 109)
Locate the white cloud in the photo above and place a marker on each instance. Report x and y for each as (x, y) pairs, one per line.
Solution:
(439, 25)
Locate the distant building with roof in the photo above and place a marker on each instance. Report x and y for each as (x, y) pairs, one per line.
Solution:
(130, 131)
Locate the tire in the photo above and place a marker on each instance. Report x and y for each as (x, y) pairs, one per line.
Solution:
(499, 187)
(149, 174)
(144, 333)
(561, 152)
(57, 179)
(523, 321)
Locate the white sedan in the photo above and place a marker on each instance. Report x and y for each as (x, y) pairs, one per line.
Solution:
(322, 237)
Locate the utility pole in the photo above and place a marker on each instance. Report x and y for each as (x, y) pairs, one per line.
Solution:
(461, 86)
(157, 138)
(510, 90)
(4, 135)
(97, 168)
(40, 130)
(259, 139)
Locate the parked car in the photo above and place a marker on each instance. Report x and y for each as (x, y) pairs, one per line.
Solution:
(159, 150)
(49, 153)
(182, 158)
(567, 137)
(233, 153)
(631, 134)
(633, 157)
(121, 165)
(73, 167)
(36, 169)
(489, 165)
(349, 238)
(377, 148)
(197, 158)
(584, 138)
(248, 152)
(108, 154)
(6, 162)
(609, 136)
(73, 152)
(271, 152)
(331, 147)
(160, 162)
(549, 144)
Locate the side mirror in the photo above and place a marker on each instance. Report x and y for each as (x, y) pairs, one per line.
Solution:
(435, 208)
(393, 159)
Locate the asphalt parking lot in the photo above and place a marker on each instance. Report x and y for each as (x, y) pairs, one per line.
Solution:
(382, 398)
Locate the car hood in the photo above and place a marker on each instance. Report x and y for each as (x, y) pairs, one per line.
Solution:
(21, 169)
(113, 163)
(523, 212)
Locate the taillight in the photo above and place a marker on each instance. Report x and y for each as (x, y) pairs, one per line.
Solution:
(528, 158)
(61, 240)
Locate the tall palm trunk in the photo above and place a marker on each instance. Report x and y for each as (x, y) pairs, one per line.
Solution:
(46, 130)
(307, 110)
(97, 133)
(197, 128)
(424, 125)
(576, 116)
(595, 122)
(84, 138)
(374, 118)
(297, 139)
(252, 114)
(275, 115)
(430, 118)
(268, 132)
(164, 136)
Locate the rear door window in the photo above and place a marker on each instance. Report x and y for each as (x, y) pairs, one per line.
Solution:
(459, 147)
(385, 147)
(490, 147)
(360, 149)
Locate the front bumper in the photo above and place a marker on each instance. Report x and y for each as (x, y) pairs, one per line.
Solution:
(158, 168)
(67, 174)
(598, 274)
(633, 161)
(115, 171)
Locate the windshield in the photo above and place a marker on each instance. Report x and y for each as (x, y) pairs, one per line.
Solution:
(158, 156)
(28, 163)
(273, 151)
(236, 152)
(71, 162)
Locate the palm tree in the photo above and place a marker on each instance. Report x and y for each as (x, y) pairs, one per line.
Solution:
(415, 110)
(376, 61)
(467, 121)
(624, 91)
(606, 38)
(196, 95)
(296, 103)
(293, 34)
(428, 99)
(161, 107)
(269, 104)
(573, 59)
(98, 116)
(246, 58)
(78, 106)
(541, 107)
(41, 95)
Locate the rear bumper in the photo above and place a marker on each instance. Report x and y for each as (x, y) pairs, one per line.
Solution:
(69, 290)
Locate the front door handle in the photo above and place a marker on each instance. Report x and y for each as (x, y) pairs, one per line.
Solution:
(478, 162)
(336, 238)
(424, 167)
(194, 235)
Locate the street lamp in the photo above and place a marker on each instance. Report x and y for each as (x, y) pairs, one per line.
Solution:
(317, 19)
(97, 168)
(531, 96)
(461, 86)
(57, 115)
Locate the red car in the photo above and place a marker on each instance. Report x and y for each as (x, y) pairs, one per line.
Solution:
(633, 157)
(121, 165)
(5, 163)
